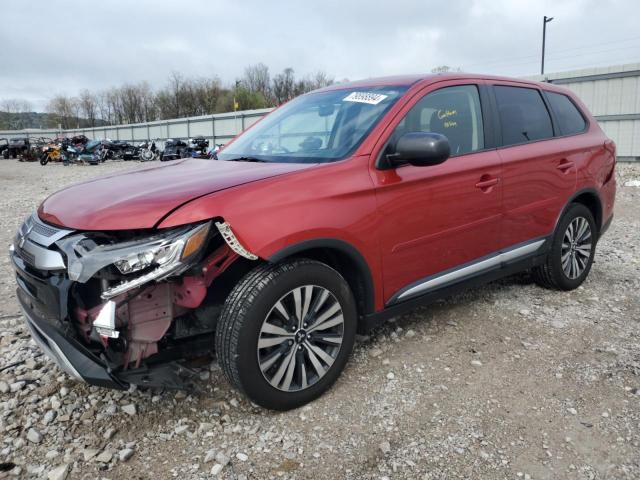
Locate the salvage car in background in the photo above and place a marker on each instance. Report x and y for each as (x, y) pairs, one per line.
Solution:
(17, 146)
(4, 146)
(340, 209)
(174, 149)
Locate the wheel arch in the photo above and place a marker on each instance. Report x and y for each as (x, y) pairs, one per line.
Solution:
(343, 257)
(590, 198)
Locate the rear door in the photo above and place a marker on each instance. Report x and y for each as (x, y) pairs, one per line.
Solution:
(539, 174)
(440, 217)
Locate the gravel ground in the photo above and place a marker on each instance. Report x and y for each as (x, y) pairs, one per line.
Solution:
(505, 381)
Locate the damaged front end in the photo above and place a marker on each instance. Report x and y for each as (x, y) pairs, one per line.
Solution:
(120, 308)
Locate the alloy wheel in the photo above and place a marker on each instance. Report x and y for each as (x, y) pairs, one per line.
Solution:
(576, 247)
(300, 338)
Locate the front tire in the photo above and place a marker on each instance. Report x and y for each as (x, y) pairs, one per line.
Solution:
(572, 250)
(286, 331)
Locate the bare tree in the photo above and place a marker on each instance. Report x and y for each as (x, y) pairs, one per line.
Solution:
(14, 105)
(257, 79)
(61, 107)
(319, 80)
(88, 106)
(180, 97)
(148, 112)
(284, 86)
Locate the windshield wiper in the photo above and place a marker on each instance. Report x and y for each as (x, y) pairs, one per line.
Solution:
(246, 159)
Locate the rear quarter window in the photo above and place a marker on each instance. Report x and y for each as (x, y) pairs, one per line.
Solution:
(569, 118)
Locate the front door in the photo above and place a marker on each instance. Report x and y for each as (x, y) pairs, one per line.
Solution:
(437, 220)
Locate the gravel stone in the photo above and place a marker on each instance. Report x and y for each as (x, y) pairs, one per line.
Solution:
(129, 409)
(105, 456)
(385, 447)
(216, 469)
(59, 473)
(125, 454)
(34, 436)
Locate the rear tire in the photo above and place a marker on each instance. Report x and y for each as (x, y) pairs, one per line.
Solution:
(572, 250)
(276, 359)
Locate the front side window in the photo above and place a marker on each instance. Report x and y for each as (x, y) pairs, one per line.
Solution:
(570, 120)
(451, 111)
(523, 115)
(318, 127)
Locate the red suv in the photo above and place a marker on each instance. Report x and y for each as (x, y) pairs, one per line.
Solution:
(340, 209)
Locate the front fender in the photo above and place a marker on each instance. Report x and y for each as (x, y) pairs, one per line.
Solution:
(333, 200)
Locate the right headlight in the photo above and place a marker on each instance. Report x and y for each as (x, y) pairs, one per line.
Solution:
(154, 257)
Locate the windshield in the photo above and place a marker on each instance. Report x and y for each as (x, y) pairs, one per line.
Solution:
(318, 127)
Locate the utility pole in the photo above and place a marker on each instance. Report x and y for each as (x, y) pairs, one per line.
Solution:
(545, 20)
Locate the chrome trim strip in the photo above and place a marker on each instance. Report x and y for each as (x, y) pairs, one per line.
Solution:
(521, 251)
(233, 242)
(44, 258)
(54, 353)
(477, 267)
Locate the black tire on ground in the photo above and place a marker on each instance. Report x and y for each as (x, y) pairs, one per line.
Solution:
(551, 273)
(242, 317)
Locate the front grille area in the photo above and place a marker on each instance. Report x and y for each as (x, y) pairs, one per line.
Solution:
(44, 230)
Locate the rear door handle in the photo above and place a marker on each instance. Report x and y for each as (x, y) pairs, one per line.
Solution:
(484, 184)
(565, 165)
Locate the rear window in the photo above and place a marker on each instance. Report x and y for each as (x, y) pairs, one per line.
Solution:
(523, 115)
(570, 120)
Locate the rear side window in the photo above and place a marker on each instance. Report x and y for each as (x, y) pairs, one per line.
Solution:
(523, 115)
(569, 118)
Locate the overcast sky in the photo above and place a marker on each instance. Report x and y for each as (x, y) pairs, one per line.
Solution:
(53, 46)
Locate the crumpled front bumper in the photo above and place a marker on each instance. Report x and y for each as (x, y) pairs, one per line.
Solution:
(41, 300)
(44, 303)
(72, 357)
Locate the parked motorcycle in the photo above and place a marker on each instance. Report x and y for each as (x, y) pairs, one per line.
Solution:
(51, 153)
(113, 149)
(213, 153)
(198, 147)
(91, 152)
(130, 152)
(148, 151)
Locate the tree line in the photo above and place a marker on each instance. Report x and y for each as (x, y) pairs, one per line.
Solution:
(181, 97)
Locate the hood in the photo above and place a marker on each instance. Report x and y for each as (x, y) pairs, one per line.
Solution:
(140, 199)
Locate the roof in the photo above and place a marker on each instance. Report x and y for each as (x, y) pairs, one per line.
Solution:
(409, 80)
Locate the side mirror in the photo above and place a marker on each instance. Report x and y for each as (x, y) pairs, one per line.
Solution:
(420, 149)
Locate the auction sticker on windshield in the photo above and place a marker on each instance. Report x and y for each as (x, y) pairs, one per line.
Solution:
(365, 97)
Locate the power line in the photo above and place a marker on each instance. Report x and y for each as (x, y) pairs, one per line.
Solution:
(536, 55)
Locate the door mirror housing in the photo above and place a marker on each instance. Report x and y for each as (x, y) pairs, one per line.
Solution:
(420, 149)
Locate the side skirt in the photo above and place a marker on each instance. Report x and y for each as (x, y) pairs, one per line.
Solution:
(506, 268)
